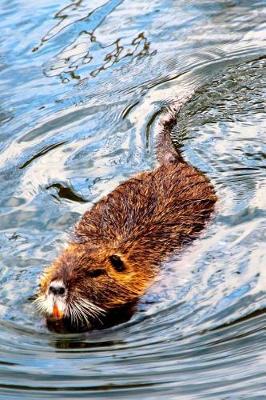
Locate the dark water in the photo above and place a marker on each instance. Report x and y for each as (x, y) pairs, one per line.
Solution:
(81, 84)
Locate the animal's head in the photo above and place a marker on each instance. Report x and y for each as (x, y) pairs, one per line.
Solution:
(85, 286)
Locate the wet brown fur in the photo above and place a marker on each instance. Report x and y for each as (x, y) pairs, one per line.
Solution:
(143, 221)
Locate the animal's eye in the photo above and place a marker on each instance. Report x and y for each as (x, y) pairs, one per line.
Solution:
(117, 263)
(93, 273)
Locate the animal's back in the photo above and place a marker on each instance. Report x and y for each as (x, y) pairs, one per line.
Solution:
(152, 214)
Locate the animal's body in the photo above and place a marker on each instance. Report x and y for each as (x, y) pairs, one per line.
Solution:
(120, 244)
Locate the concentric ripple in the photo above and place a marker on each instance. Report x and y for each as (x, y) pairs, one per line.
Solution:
(82, 88)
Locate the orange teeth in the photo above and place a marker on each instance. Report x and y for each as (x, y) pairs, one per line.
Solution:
(57, 313)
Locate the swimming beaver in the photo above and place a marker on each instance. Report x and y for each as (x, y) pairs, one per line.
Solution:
(119, 245)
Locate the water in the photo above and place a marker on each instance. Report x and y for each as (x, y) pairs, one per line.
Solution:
(81, 86)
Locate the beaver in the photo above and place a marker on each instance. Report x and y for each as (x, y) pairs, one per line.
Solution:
(119, 245)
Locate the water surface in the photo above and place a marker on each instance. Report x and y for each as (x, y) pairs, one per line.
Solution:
(81, 85)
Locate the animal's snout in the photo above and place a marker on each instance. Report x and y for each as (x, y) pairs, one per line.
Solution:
(57, 288)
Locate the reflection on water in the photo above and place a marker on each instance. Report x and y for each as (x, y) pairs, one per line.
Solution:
(79, 22)
(73, 56)
(82, 87)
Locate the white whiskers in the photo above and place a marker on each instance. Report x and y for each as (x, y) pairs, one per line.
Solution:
(82, 310)
(79, 310)
(43, 304)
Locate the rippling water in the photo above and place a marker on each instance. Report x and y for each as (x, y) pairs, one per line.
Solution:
(81, 88)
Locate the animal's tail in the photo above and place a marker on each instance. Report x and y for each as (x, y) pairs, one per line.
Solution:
(166, 151)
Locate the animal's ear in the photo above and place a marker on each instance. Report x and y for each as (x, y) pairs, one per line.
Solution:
(117, 263)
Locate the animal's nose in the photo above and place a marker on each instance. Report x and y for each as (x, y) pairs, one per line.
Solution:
(57, 288)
